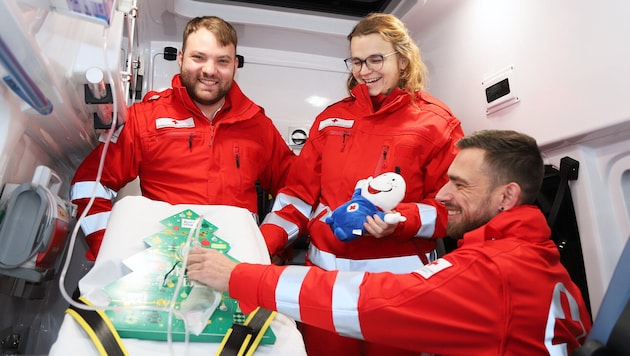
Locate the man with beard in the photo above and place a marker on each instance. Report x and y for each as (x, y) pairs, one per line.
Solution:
(503, 291)
(200, 142)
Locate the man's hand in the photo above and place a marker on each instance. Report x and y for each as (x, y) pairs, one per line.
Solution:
(210, 267)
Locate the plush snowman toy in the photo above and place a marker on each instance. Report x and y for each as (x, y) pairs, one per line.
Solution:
(371, 196)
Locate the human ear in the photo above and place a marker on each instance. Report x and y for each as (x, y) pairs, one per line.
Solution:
(403, 63)
(510, 196)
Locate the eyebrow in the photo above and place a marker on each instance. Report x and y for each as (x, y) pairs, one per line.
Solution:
(457, 179)
(370, 55)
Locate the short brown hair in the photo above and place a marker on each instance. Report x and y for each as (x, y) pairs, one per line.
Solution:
(224, 32)
(510, 156)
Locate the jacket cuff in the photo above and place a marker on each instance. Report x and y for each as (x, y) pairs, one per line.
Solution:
(254, 285)
(275, 238)
(94, 241)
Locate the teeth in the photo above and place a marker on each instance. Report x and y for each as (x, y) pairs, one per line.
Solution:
(452, 212)
(371, 80)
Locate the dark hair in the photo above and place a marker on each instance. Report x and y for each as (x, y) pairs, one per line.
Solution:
(413, 77)
(510, 156)
(222, 30)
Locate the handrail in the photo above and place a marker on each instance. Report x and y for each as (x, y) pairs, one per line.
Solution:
(21, 83)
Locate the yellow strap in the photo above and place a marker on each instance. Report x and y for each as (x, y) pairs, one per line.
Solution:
(99, 328)
(240, 342)
(261, 333)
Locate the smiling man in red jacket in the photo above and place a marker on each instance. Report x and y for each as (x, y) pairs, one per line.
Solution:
(200, 142)
(503, 291)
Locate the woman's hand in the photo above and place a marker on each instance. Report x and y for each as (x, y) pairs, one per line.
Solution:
(375, 226)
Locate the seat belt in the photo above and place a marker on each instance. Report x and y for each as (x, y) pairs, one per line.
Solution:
(243, 339)
(99, 328)
(568, 171)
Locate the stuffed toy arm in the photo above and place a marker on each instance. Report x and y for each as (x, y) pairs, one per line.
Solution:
(362, 184)
(394, 218)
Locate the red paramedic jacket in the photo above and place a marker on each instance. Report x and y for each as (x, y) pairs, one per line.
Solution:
(503, 291)
(350, 141)
(181, 157)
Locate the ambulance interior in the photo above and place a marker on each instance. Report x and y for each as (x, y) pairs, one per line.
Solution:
(554, 70)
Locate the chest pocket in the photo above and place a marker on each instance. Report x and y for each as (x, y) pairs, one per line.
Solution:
(242, 162)
(171, 145)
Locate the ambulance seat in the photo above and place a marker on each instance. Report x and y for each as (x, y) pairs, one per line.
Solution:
(610, 334)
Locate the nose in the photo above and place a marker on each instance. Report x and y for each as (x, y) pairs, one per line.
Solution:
(209, 67)
(444, 194)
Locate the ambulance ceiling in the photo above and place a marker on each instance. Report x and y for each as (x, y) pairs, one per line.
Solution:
(354, 8)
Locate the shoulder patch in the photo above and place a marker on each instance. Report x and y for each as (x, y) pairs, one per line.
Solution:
(103, 136)
(151, 95)
(154, 95)
(428, 270)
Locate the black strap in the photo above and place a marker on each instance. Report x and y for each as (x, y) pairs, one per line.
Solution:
(568, 171)
(242, 339)
(99, 329)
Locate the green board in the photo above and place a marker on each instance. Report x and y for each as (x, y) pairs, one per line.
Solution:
(153, 280)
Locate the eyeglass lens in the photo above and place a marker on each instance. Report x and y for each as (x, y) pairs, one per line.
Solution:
(373, 62)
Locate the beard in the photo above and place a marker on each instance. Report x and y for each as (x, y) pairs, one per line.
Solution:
(457, 230)
(201, 96)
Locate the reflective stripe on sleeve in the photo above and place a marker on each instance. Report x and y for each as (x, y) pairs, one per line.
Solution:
(288, 291)
(345, 304)
(81, 190)
(428, 218)
(330, 262)
(283, 200)
(321, 207)
(290, 228)
(95, 222)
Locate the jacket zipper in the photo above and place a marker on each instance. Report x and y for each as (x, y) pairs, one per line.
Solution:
(382, 161)
(237, 162)
(343, 141)
(212, 132)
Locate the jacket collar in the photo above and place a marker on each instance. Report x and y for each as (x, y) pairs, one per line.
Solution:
(525, 222)
(395, 100)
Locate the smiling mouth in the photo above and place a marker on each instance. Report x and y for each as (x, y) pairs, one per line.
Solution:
(372, 190)
(370, 81)
(208, 81)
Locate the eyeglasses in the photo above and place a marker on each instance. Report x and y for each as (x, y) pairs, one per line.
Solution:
(373, 62)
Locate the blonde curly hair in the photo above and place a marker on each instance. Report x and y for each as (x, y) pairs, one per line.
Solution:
(414, 76)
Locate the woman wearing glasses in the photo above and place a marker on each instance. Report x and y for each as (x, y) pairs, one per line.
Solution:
(386, 124)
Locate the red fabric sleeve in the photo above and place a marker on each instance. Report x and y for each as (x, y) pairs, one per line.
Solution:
(94, 241)
(275, 238)
(410, 227)
(254, 285)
